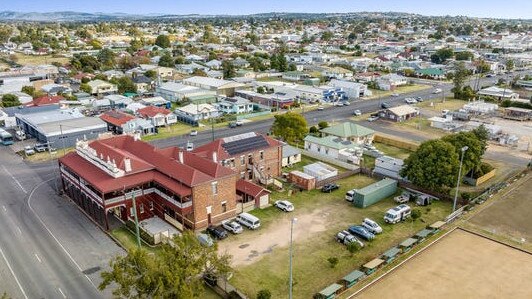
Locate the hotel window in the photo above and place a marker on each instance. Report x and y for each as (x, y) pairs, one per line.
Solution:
(261, 155)
(151, 205)
(224, 206)
(141, 208)
(242, 160)
(214, 186)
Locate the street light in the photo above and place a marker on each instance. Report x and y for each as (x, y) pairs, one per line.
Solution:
(292, 222)
(463, 149)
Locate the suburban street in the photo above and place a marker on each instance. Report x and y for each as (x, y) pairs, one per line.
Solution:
(48, 248)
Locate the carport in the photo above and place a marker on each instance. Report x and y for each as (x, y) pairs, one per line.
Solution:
(390, 255)
(330, 291)
(352, 278)
(407, 244)
(371, 266)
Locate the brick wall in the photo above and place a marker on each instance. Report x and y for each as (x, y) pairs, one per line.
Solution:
(271, 161)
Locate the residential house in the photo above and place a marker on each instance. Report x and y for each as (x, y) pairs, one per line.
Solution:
(122, 123)
(399, 113)
(391, 81)
(143, 83)
(158, 116)
(156, 101)
(273, 100)
(46, 100)
(350, 131)
(498, 93)
(56, 89)
(335, 148)
(99, 87)
(295, 76)
(431, 73)
(214, 64)
(389, 166)
(182, 188)
(291, 155)
(336, 72)
(235, 105)
(193, 113)
(118, 101)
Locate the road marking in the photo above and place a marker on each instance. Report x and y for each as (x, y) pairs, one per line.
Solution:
(50, 232)
(19, 230)
(14, 179)
(38, 258)
(13, 273)
(61, 291)
(5, 209)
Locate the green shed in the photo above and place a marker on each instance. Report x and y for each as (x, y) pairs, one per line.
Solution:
(352, 278)
(375, 192)
(330, 291)
(390, 255)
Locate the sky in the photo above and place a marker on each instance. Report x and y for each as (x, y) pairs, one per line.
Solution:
(475, 8)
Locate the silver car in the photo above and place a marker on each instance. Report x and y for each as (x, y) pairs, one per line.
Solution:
(232, 226)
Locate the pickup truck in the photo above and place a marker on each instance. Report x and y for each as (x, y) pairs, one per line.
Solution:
(346, 238)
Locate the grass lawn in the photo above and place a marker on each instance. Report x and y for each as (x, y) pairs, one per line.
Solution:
(422, 126)
(392, 151)
(129, 241)
(43, 157)
(171, 131)
(311, 270)
(36, 60)
(305, 160)
(401, 89)
(437, 105)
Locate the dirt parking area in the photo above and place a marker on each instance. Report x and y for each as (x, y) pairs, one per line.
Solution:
(509, 215)
(461, 265)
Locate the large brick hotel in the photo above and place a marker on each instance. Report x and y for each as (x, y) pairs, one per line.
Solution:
(189, 190)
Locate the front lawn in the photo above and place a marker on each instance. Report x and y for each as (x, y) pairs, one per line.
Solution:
(311, 269)
(171, 131)
(392, 151)
(399, 90)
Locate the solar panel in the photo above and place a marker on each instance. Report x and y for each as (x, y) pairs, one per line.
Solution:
(245, 145)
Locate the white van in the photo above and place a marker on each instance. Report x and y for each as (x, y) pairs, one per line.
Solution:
(248, 220)
(350, 195)
(372, 226)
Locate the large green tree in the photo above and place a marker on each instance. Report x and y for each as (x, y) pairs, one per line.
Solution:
(434, 165)
(174, 272)
(291, 127)
(442, 55)
(125, 84)
(163, 41)
(473, 155)
(106, 57)
(166, 60)
(459, 77)
(228, 68)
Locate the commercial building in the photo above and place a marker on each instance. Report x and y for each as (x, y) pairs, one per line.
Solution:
(60, 127)
(188, 191)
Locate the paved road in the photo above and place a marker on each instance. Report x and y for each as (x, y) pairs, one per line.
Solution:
(48, 249)
(315, 116)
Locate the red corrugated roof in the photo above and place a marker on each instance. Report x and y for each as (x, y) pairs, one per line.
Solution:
(116, 118)
(249, 188)
(152, 111)
(46, 100)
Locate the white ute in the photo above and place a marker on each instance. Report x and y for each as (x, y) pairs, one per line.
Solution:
(397, 214)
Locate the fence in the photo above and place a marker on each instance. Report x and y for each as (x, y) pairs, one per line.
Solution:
(480, 180)
(332, 161)
(393, 141)
(335, 178)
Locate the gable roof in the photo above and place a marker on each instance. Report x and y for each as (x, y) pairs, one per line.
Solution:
(348, 129)
(46, 100)
(236, 145)
(331, 142)
(152, 111)
(116, 118)
(402, 110)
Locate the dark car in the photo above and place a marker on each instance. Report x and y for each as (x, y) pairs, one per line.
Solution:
(329, 188)
(360, 231)
(217, 232)
(232, 125)
(385, 105)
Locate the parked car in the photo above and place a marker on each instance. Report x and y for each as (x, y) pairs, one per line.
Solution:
(193, 133)
(205, 240)
(347, 103)
(397, 214)
(372, 118)
(232, 226)
(350, 195)
(360, 231)
(328, 188)
(357, 113)
(395, 95)
(385, 105)
(232, 124)
(217, 232)
(419, 99)
(346, 238)
(437, 90)
(371, 226)
(320, 108)
(28, 151)
(410, 101)
(190, 146)
(284, 205)
(40, 147)
(239, 122)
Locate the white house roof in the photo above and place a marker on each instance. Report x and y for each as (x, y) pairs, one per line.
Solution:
(497, 92)
(197, 108)
(402, 110)
(211, 82)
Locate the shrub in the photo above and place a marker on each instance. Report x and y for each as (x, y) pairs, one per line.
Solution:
(333, 261)
(264, 294)
(353, 247)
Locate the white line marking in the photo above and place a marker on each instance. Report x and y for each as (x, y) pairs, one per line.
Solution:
(19, 230)
(61, 291)
(13, 273)
(14, 179)
(38, 258)
(50, 232)
(5, 209)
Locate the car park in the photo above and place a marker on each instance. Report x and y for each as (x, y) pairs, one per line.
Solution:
(193, 133)
(248, 220)
(232, 226)
(372, 226)
(357, 113)
(360, 231)
(284, 205)
(217, 232)
(328, 188)
(372, 118)
(397, 214)
(346, 238)
(28, 151)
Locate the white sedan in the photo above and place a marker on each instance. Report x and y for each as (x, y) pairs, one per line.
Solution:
(284, 205)
(232, 226)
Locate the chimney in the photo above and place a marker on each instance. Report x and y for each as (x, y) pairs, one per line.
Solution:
(127, 164)
(181, 157)
(214, 157)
